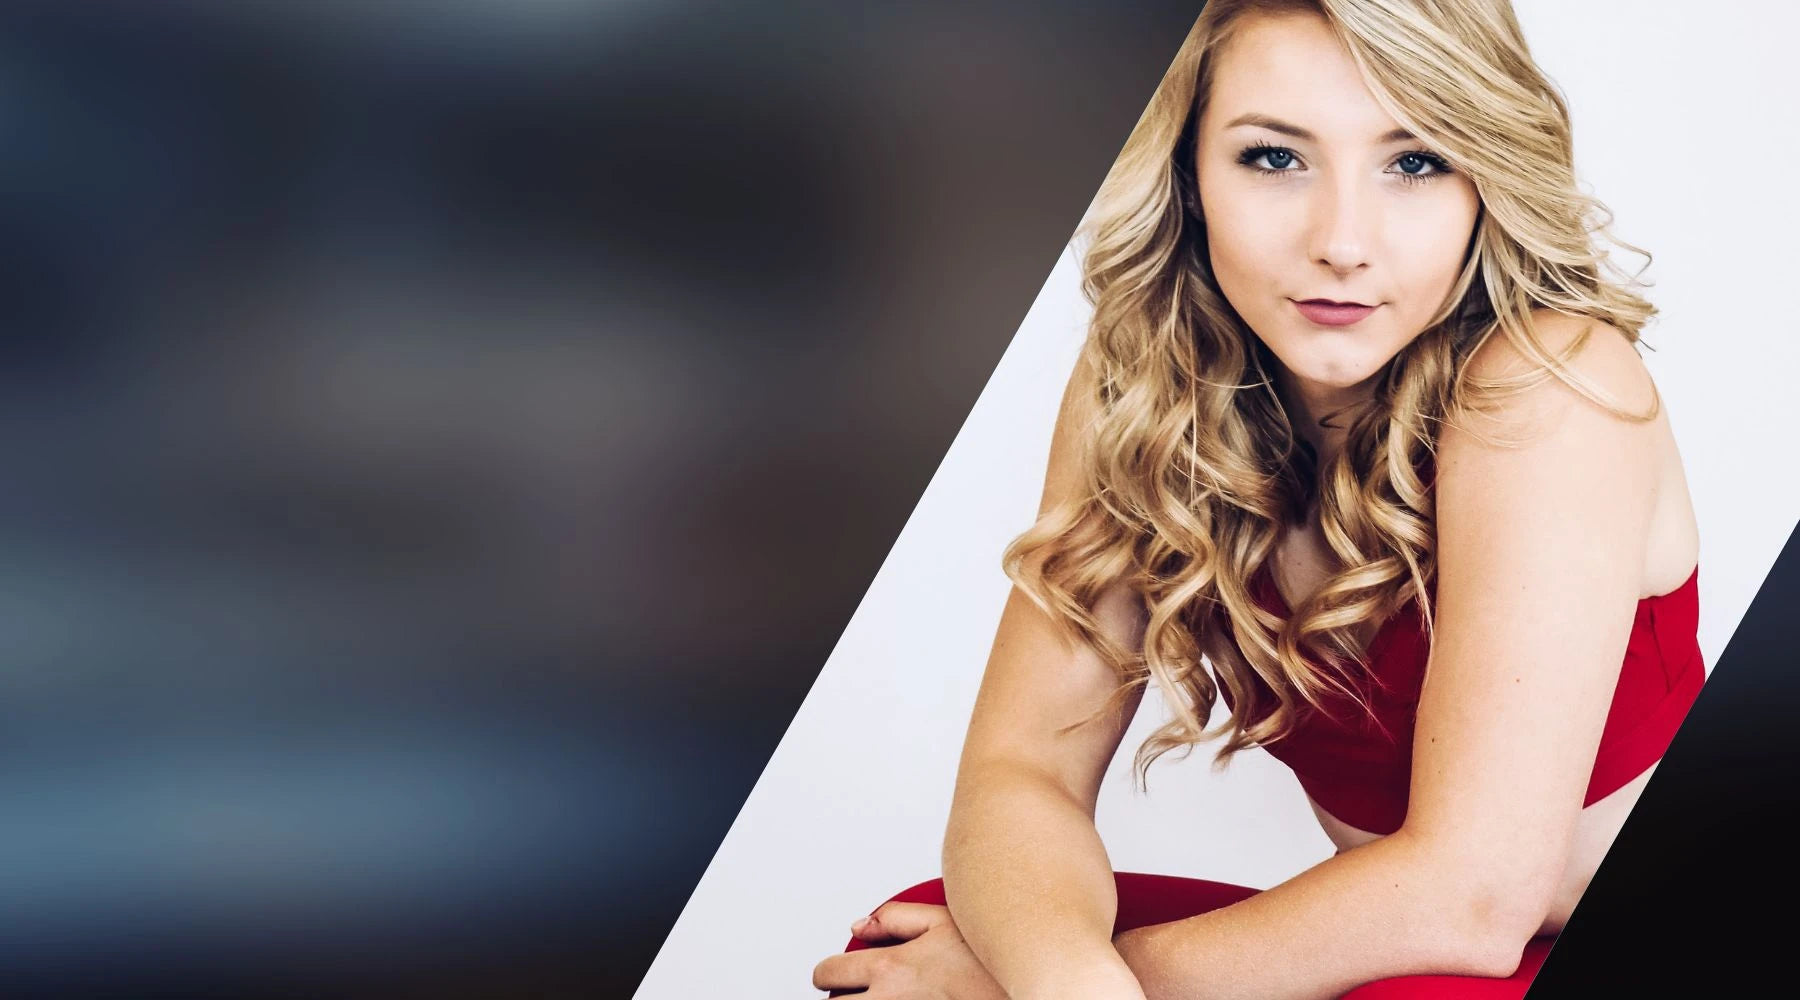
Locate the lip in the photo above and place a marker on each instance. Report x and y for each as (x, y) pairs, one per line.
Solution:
(1325, 312)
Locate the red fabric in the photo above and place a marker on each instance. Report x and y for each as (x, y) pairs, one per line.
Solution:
(1360, 769)
(1156, 899)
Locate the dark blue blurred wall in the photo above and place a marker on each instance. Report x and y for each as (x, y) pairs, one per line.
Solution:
(442, 442)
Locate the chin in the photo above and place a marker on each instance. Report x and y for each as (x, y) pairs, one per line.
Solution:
(1338, 378)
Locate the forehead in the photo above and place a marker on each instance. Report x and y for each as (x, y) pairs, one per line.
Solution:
(1292, 67)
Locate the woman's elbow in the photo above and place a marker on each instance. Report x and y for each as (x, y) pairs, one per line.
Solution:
(1493, 909)
(1504, 913)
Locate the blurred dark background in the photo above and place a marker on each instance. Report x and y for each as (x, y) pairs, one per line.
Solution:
(442, 443)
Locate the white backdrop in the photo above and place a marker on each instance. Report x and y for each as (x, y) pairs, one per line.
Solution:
(1683, 127)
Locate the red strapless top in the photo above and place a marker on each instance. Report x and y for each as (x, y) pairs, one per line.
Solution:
(1353, 770)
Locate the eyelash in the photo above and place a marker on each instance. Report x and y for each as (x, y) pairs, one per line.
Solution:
(1249, 157)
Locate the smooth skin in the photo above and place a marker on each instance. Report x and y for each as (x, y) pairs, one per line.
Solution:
(1543, 552)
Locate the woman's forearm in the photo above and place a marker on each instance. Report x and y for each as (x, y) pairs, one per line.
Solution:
(1030, 887)
(1384, 909)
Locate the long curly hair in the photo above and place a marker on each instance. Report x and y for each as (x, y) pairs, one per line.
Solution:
(1192, 467)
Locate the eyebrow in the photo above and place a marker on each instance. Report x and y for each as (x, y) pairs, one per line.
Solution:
(1277, 125)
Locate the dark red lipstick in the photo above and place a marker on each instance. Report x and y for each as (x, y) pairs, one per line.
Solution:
(1327, 312)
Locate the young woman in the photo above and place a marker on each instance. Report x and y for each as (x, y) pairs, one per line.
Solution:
(1359, 448)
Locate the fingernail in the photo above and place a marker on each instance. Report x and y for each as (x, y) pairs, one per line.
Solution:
(860, 924)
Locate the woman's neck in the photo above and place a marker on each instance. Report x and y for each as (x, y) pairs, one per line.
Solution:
(1321, 415)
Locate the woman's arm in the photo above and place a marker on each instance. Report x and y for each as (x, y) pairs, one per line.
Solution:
(1540, 557)
(1026, 877)
(1025, 874)
(1393, 907)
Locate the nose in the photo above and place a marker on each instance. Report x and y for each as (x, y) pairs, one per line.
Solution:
(1341, 226)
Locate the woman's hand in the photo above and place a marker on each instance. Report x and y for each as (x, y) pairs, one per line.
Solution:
(919, 955)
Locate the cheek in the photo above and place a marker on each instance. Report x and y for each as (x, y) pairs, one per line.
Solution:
(1243, 241)
(1434, 240)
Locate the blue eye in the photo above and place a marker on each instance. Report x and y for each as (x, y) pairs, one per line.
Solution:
(1412, 165)
(1418, 161)
(1279, 158)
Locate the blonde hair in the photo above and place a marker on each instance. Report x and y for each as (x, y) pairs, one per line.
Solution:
(1192, 467)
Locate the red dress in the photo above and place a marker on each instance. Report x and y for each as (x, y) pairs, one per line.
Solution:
(1359, 770)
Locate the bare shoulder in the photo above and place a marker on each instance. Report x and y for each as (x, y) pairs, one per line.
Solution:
(1594, 353)
(1548, 462)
